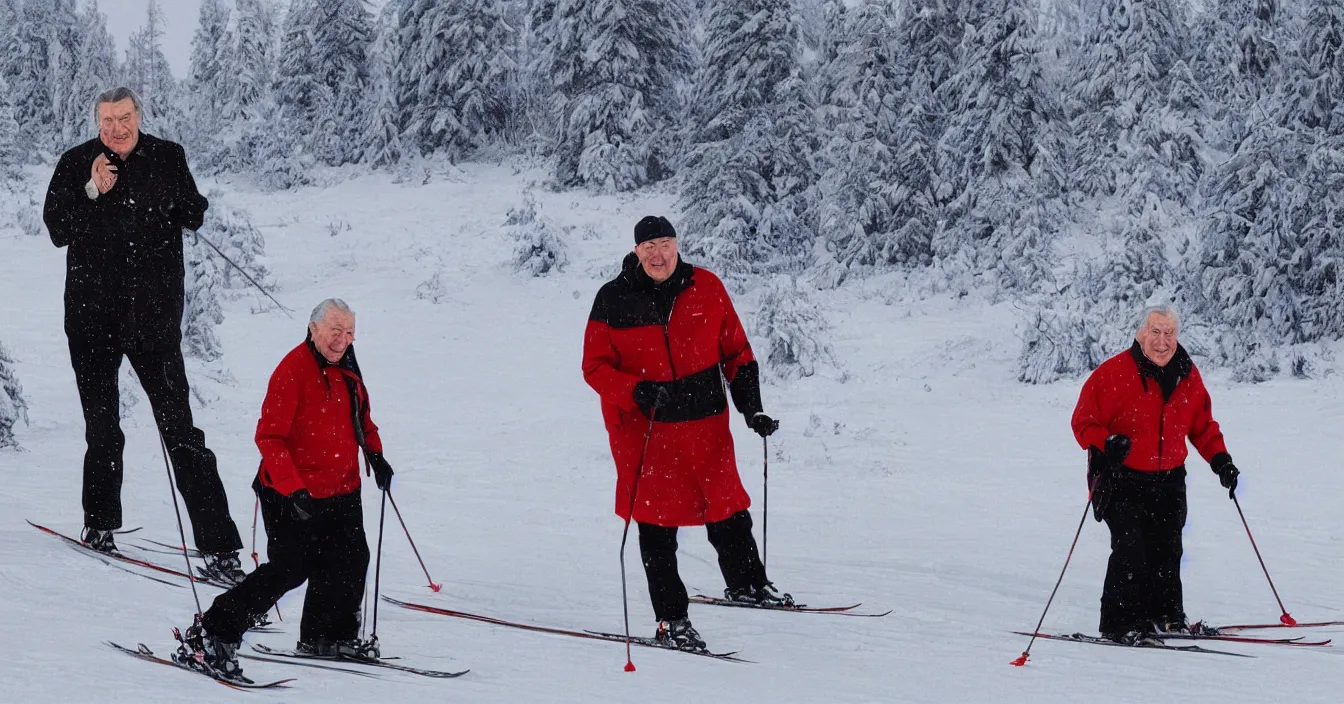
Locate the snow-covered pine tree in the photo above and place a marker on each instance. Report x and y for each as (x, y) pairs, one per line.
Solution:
(1317, 66)
(790, 331)
(297, 91)
(750, 179)
(210, 79)
(253, 60)
(539, 249)
(150, 76)
(990, 145)
(861, 187)
(382, 143)
(538, 118)
(614, 67)
(202, 311)
(230, 228)
(341, 35)
(35, 70)
(91, 68)
(13, 407)
(11, 149)
(465, 51)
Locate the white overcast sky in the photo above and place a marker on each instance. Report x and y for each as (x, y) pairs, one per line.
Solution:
(126, 16)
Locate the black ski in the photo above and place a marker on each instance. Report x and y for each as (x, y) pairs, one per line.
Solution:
(144, 653)
(295, 655)
(655, 643)
(1095, 640)
(797, 608)
(315, 665)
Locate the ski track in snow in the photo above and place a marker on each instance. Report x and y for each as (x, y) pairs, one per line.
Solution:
(930, 483)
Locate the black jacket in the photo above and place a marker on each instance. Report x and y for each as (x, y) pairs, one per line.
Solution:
(123, 281)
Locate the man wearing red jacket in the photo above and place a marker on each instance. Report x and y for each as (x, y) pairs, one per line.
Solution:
(1133, 417)
(661, 339)
(314, 423)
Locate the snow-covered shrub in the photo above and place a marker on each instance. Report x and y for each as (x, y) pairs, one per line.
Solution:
(539, 248)
(13, 407)
(230, 229)
(202, 312)
(790, 332)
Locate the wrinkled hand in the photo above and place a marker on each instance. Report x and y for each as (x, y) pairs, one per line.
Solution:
(764, 425)
(1227, 473)
(301, 503)
(1117, 449)
(651, 395)
(104, 174)
(382, 471)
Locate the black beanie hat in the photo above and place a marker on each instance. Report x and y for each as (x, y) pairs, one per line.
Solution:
(652, 227)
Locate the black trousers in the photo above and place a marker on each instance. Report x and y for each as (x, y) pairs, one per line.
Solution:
(738, 560)
(1146, 514)
(329, 551)
(164, 379)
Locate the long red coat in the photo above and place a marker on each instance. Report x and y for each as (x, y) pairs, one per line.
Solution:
(688, 331)
(307, 432)
(1116, 398)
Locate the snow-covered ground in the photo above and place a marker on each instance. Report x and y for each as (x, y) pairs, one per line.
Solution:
(927, 481)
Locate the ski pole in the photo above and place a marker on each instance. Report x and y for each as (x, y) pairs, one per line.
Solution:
(1284, 616)
(765, 508)
(256, 506)
(181, 533)
(250, 280)
(378, 568)
(432, 584)
(1022, 659)
(625, 534)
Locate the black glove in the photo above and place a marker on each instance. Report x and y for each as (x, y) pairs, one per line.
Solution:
(764, 425)
(382, 471)
(651, 395)
(1226, 471)
(1117, 449)
(301, 502)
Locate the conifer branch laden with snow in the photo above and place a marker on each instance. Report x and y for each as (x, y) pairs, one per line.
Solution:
(539, 248)
(13, 406)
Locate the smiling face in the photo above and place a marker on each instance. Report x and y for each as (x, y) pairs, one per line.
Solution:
(119, 126)
(658, 257)
(333, 334)
(1157, 337)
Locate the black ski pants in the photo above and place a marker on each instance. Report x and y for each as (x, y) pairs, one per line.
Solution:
(738, 560)
(1146, 515)
(164, 379)
(329, 551)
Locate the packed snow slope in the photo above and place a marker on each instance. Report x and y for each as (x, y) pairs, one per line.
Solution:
(920, 477)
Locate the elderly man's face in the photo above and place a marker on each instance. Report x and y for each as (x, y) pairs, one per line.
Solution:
(658, 257)
(333, 334)
(119, 126)
(1157, 337)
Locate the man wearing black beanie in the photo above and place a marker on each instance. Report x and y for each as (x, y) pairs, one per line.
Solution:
(661, 339)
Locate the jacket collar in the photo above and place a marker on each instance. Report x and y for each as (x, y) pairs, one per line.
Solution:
(1168, 377)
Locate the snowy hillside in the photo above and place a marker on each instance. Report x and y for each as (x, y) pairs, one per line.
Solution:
(913, 474)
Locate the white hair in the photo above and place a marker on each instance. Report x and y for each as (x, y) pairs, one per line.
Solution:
(320, 312)
(1163, 310)
(116, 95)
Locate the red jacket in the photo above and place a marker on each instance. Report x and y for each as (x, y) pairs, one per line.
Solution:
(1117, 398)
(685, 332)
(307, 433)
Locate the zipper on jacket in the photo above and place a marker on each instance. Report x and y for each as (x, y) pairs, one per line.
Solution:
(667, 339)
(1161, 428)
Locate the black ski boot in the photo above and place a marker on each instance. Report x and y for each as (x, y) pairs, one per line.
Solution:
(223, 568)
(760, 596)
(1182, 627)
(100, 540)
(320, 648)
(215, 657)
(1135, 637)
(679, 634)
(358, 649)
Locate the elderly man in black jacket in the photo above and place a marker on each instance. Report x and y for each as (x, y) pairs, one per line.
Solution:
(119, 203)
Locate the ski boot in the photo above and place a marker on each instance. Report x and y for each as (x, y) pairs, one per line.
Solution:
(320, 648)
(1182, 627)
(1134, 637)
(223, 568)
(766, 596)
(211, 655)
(358, 649)
(679, 634)
(100, 540)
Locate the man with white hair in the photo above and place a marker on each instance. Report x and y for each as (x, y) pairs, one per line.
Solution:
(314, 424)
(1133, 417)
(119, 204)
